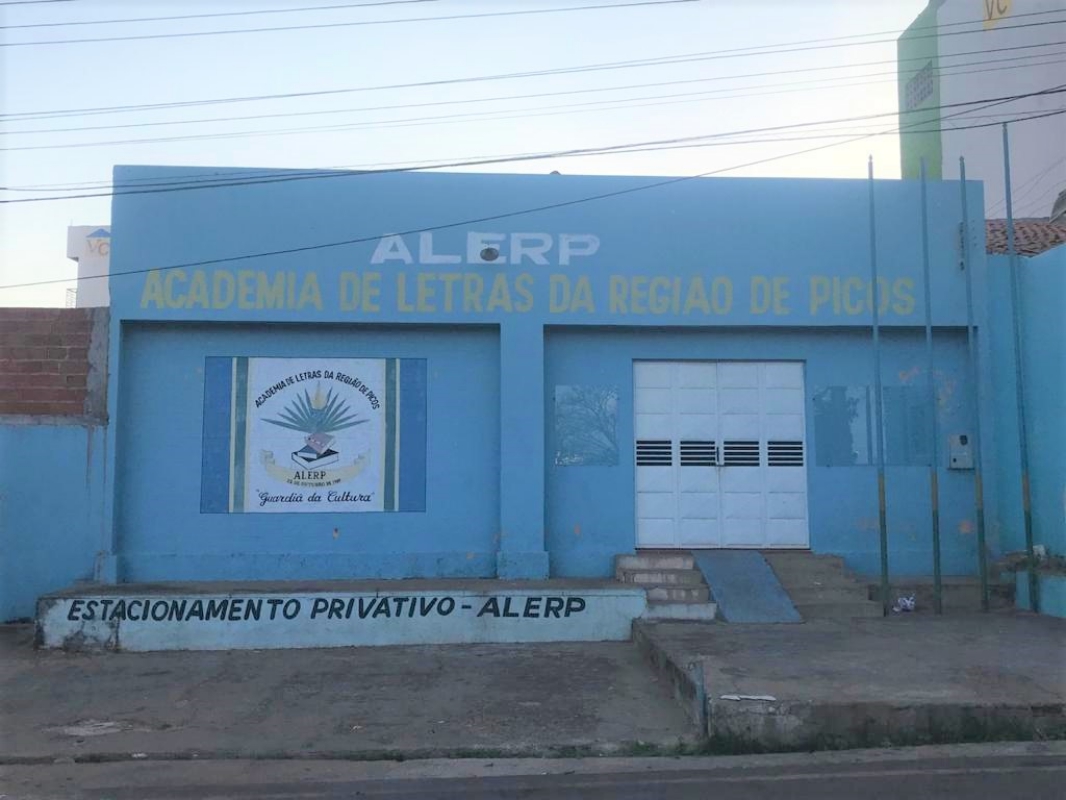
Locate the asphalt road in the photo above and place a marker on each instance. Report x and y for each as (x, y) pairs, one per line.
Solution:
(897, 775)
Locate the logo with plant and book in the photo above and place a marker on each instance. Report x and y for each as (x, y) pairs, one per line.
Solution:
(319, 417)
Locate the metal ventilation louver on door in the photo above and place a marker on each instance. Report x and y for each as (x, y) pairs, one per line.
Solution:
(654, 453)
(697, 453)
(741, 453)
(785, 454)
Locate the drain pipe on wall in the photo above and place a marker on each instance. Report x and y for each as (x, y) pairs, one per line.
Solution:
(975, 377)
(934, 464)
(882, 515)
(1023, 443)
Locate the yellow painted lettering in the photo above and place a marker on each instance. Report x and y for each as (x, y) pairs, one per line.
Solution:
(618, 293)
(197, 295)
(883, 298)
(851, 305)
(583, 296)
(426, 292)
(659, 295)
(402, 303)
(639, 293)
(781, 294)
(174, 275)
(223, 287)
(722, 295)
(903, 296)
(500, 296)
(559, 294)
(473, 288)
(310, 294)
(245, 288)
(760, 295)
(821, 291)
(349, 291)
(153, 290)
(696, 297)
(371, 292)
(269, 293)
(450, 279)
(523, 287)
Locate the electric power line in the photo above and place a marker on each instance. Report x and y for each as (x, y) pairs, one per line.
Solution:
(1035, 201)
(249, 176)
(346, 6)
(587, 151)
(467, 222)
(69, 23)
(988, 103)
(490, 218)
(954, 70)
(452, 17)
(596, 67)
(484, 116)
(359, 23)
(85, 185)
(1029, 185)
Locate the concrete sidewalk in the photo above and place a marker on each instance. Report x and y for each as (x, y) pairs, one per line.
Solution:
(831, 684)
(376, 702)
(866, 682)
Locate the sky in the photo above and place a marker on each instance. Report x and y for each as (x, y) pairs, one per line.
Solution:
(716, 93)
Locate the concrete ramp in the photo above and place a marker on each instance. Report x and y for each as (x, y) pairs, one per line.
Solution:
(745, 587)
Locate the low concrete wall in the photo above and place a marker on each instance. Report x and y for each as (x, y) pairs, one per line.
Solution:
(1051, 590)
(151, 618)
(53, 375)
(51, 511)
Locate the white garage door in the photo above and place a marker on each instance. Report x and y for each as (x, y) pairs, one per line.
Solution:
(720, 454)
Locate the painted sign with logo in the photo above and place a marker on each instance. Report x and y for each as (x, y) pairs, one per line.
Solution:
(99, 242)
(326, 435)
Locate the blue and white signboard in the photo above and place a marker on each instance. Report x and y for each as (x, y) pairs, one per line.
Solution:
(286, 435)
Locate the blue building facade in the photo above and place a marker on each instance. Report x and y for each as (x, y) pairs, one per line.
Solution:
(334, 375)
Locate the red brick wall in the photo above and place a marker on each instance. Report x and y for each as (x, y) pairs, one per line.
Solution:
(44, 361)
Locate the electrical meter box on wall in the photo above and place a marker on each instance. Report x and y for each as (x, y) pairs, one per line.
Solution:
(960, 451)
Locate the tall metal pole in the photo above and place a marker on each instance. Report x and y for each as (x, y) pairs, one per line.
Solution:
(934, 428)
(1023, 443)
(975, 379)
(882, 515)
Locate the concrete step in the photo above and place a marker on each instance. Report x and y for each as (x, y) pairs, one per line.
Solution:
(698, 612)
(655, 559)
(806, 568)
(811, 611)
(801, 558)
(813, 573)
(824, 583)
(678, 594)
(854, 593)
(661, 577)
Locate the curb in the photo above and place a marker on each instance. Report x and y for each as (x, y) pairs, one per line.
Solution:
(590, 750)
(743, 726)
